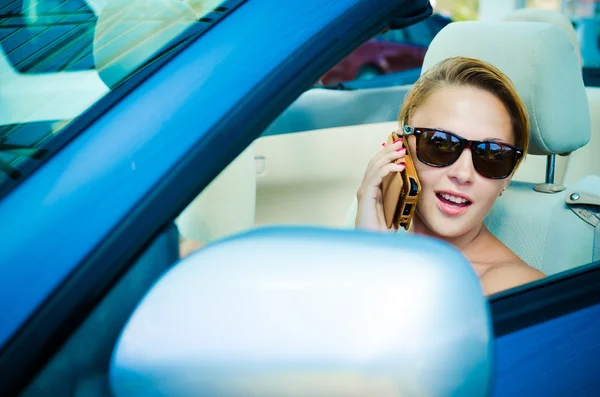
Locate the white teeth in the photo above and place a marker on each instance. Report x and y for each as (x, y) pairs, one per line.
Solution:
(457, 200)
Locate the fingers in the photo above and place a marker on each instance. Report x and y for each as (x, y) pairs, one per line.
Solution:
(371, 185)
(388, 149)
(390, 156)
(390, 153)
(385, 148)
(386, 170)
(380, 166)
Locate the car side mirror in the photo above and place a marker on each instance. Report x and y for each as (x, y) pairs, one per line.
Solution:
(310, 312)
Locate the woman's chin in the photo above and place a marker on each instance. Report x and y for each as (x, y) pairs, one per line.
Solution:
(445, 228)
(449, 231)
(434, 222)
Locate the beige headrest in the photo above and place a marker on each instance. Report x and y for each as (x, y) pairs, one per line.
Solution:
(556, 18)
(541, 61)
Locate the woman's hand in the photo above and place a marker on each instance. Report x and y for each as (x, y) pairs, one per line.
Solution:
(370, 199)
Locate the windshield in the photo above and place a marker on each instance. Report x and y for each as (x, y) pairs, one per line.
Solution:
(59, 57)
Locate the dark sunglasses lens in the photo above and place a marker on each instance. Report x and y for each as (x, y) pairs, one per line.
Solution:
(438, 148)
(494, 160)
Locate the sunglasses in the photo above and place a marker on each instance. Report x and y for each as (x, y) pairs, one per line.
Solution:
(439, 148)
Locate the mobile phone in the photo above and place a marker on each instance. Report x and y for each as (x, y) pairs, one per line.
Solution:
(400, 191)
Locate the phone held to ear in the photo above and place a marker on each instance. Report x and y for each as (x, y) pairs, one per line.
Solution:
(400, 191)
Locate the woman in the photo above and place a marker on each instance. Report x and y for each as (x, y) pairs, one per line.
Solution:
(467, 130)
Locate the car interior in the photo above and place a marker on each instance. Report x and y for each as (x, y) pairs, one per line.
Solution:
(304, 170)
(343, 129)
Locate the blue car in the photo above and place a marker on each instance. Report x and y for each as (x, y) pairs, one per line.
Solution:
(129, 128)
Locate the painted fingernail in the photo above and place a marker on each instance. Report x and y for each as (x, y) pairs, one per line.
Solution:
(401, 149)
(402, 164)
(398, 140)
(383, 144)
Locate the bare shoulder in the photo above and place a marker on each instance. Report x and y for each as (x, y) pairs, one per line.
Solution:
(505, 276)
(499, 268)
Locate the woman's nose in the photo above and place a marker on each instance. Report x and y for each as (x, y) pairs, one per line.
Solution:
(462, 170)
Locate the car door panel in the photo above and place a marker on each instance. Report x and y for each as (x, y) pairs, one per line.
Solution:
(547, 336)
(555, 358)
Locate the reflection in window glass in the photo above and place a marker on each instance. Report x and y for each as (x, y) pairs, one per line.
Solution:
(399, 54)
(395, 52)
(585, 16)
(58, 57)
(457, 10)
(544, 4)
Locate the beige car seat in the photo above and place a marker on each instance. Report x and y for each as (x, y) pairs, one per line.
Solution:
(571, 168)
(533, 169)
(227, 205)
(586, 161)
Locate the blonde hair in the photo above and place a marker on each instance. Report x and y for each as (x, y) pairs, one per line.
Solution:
(462, 71)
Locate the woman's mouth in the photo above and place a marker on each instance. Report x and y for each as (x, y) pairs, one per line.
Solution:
(451, 204)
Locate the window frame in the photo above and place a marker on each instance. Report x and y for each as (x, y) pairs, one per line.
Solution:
(116, 94)
(545, 299)
(57, 317)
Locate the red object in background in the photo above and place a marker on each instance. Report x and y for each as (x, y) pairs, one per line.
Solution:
(373, 58)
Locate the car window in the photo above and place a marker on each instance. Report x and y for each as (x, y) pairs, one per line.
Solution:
(585, 17)
(59, 57)
(397, 54)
